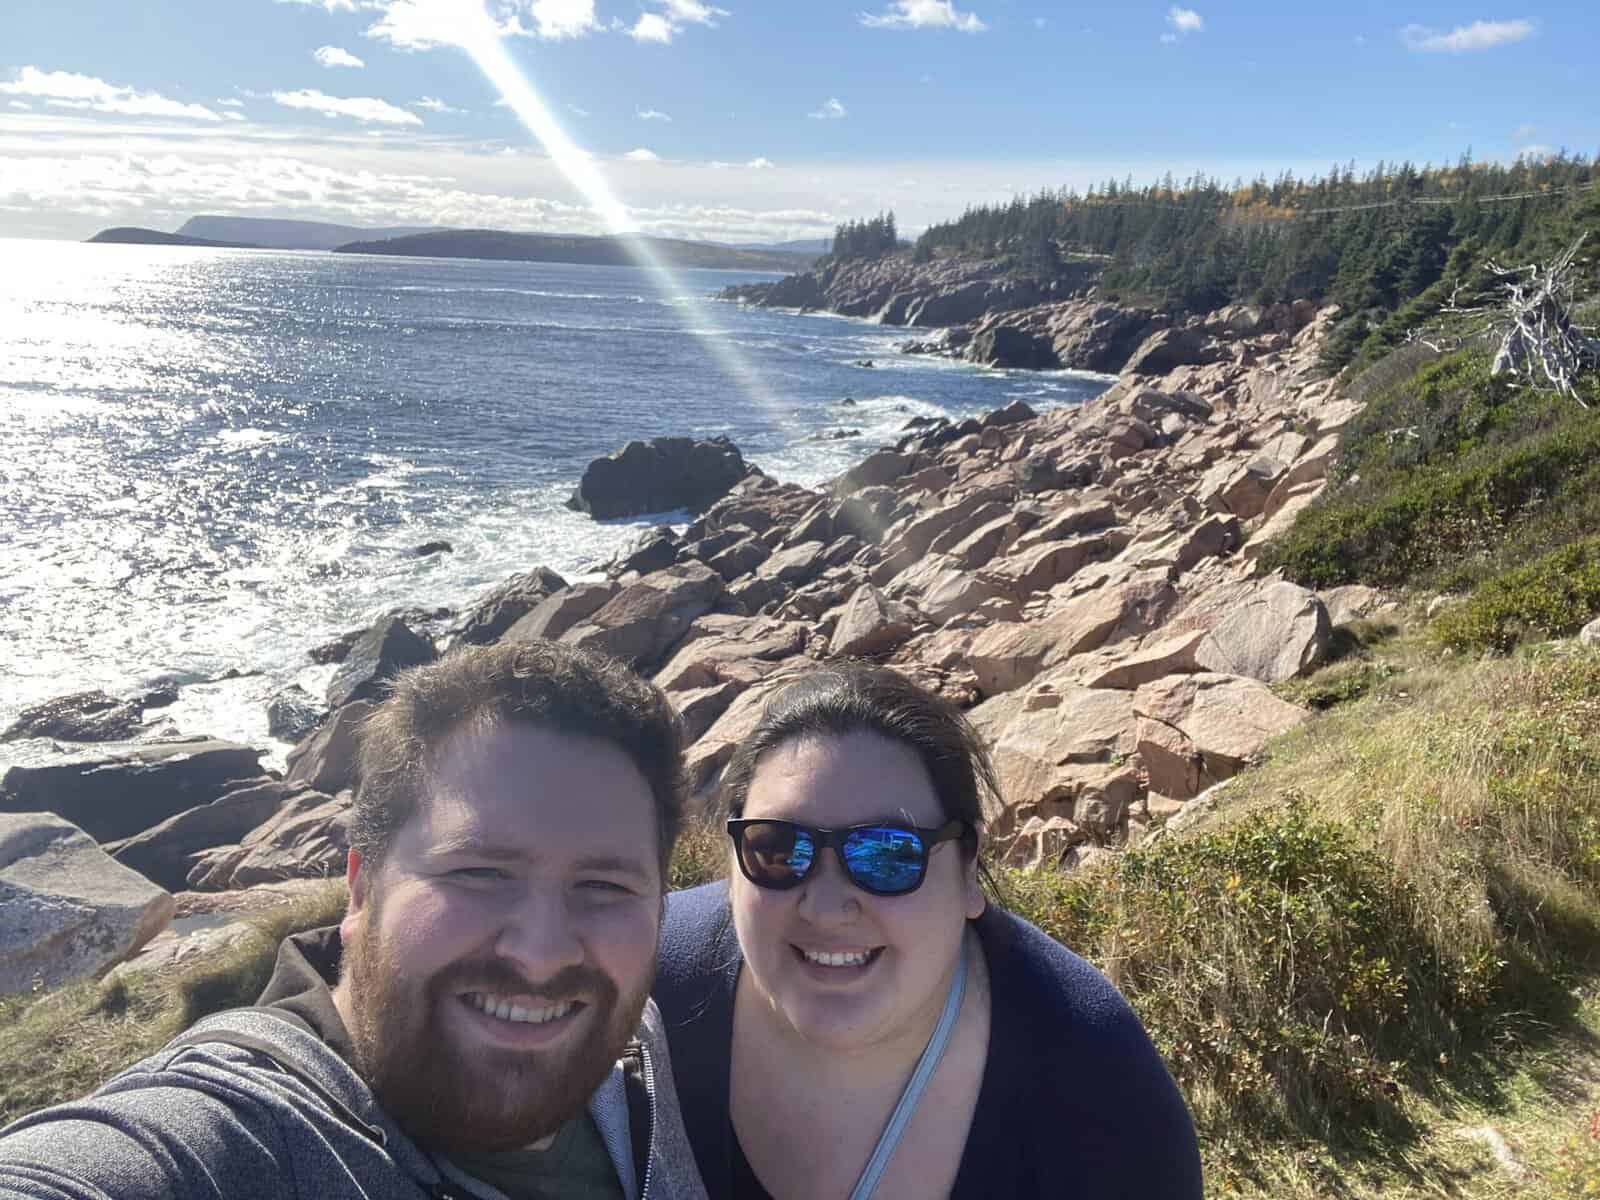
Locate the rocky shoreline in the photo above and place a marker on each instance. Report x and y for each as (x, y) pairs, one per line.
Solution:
(984, 314)
(1083, 582)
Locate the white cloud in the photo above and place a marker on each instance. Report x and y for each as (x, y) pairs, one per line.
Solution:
(653, 114)
(652, 27)
(831, 110)
(1524, 133)
(231, 103)
(66, 176)
(671, 18)
(428, 24)
(557, 19)
(434, 105)
(1480, 35)
(233, 116)
(1183, 21)
(63, 89)
(361, 108)
(1537, 153)
(924, 14)
(760, 164)
(24, 107)
(333, 56)
(642, 155)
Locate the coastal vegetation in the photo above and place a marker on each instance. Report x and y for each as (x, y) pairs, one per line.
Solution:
(1390, 246)
(871, 238)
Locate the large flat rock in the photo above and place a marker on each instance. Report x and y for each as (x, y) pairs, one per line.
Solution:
(111, 795)
(67, 909)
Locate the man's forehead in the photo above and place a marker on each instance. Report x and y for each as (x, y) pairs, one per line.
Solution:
(511, 786)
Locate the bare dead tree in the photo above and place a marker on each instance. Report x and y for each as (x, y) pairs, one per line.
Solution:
(1530, 323)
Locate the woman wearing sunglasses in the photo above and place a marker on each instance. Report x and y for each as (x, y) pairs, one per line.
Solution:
(850, 1016)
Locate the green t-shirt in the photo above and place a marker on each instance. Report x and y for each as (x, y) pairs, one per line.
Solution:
(575, 1167)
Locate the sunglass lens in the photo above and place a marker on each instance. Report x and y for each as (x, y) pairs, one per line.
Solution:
(776, 855)
(887, 860)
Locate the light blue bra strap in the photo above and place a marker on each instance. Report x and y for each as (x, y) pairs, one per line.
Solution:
(917, 1084)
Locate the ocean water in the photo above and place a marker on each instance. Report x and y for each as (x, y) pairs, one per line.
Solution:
(211, 461)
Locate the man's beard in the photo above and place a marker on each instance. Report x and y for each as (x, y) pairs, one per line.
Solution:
(486, 1099)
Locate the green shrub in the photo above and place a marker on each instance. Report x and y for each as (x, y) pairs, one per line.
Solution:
(1553, 596)
(1435, 514)
(1279, 965)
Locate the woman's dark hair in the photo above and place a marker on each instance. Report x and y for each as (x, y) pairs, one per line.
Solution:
(839, 700)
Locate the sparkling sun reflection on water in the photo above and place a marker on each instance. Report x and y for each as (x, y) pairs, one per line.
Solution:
(212, 460)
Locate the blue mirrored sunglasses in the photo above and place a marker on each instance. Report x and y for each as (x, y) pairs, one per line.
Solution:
(886, 860)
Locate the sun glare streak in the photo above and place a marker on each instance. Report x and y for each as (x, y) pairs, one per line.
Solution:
(481, 40)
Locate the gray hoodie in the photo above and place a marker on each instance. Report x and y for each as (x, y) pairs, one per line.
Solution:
(256, 1103)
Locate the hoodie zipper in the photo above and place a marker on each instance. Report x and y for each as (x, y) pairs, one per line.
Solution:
(650, 1094)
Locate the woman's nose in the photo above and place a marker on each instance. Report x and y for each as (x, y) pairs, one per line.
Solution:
(827, 893)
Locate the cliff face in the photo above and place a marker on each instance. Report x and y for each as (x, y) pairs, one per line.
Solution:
(984, 314)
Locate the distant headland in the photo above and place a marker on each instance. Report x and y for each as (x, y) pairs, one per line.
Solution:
(260, 233)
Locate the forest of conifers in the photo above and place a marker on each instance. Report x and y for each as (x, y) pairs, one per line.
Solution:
(1389, 246)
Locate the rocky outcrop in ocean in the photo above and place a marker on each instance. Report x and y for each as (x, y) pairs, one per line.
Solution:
(661, 475)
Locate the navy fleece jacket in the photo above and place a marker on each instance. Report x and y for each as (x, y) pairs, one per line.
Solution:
(1075, 1103)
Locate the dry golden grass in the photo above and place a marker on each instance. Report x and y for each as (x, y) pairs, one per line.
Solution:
(66, 1043)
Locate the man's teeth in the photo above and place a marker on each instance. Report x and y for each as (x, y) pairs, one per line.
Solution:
(496, 1006)
(856, 958)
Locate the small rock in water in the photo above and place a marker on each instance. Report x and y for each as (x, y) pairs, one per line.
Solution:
(293, 713)
(428, 549)
(375, 656)
(847, 402)
(163, 695)
(80, 717)
(337, 650)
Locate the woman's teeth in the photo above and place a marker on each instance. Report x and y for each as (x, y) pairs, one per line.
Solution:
(496, 1006)
(856, 958)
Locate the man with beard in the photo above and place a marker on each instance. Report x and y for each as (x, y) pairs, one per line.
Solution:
(478, 1025)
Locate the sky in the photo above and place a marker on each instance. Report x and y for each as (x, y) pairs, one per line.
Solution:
(747, 121)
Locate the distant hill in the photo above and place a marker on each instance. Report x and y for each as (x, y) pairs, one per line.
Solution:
(595, 251)
(273, 234)
(811, 247)
(134, 236)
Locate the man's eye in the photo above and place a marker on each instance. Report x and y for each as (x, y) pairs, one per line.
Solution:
(479, 873)
(606, 887)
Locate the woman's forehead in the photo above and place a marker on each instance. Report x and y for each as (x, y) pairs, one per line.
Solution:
(843, 780)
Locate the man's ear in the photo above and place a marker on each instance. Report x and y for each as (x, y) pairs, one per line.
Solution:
(357, 875)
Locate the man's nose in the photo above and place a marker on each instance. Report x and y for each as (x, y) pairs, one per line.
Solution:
(538, 935)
